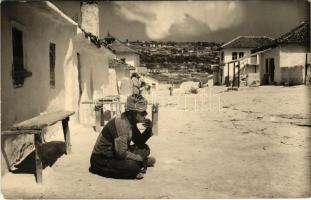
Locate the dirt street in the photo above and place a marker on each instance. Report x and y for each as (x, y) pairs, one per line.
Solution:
(255, 142)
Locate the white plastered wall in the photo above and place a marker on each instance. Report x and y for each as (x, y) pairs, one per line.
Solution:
(35, 96)
(97, 80)
(275, 54)
(130, 58)
(293, 60)
(228, 58)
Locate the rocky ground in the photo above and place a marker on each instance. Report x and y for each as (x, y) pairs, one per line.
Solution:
(251, 143)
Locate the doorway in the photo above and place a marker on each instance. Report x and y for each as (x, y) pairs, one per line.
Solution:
(269, 72)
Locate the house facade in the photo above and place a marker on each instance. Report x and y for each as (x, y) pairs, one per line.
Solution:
(38, 69)
(48, 64)
(237, 49)
(123, 51)
(285, 60)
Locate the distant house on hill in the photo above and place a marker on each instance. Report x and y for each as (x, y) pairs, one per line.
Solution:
(285, 59)
(122, 50)
(236, 49)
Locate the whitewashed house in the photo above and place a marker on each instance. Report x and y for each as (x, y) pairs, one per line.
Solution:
(48, 64)
(285, 60)
(38, 68)
(123, 51)
(237, 49)
(96, 80)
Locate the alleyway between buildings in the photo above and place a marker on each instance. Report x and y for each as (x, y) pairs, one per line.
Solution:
(255, 142)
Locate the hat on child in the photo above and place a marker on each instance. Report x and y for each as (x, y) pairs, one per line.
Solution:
(136, 102)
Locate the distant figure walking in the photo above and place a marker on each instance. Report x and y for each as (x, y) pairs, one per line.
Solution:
(171, 90)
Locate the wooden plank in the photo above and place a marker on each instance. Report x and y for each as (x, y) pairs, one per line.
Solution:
(19, 132)
(110, 98)
(39, 168)
(41, 121)
(66, 135)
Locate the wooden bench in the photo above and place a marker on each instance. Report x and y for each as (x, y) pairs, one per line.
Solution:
(115, 100)
(112, 100)
(36, 127)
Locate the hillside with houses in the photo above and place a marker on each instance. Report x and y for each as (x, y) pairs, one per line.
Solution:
(194, 56)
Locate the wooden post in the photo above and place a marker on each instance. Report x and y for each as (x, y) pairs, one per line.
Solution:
(66, 135)
(111, 110)
(228, 76)
(155, 112)
(288, 76)
(38, 146)
(98, 116)
(239, 74)
(233, 74)
(117, 107)
(306, 69)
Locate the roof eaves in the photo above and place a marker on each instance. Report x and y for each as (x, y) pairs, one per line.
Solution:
(239, 37)
(226, 44)
(94, 39)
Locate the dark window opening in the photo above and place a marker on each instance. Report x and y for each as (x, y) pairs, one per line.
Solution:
(18, 72)
(241, 54)
(222, 56)
(234, 55)
(52, 65)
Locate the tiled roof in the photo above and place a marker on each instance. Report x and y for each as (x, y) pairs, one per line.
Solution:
(116, 45)
(298, 35)
(117, 63)
(120, 47)
(94, 39)
(247, 42)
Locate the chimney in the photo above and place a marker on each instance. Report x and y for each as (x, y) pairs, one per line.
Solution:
(90, 17)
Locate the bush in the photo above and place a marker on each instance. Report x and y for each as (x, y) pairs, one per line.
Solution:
(194, 91)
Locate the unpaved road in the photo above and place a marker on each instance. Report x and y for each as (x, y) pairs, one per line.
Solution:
(255, 142)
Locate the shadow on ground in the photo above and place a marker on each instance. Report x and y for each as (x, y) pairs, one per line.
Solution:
(51, 151)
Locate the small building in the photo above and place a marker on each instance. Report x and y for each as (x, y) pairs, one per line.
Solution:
(285, 59)
(237, 49)
(123, 51)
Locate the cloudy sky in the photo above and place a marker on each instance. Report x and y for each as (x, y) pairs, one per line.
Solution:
(217, 21)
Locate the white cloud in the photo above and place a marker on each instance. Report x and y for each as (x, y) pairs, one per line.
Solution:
(159, 17)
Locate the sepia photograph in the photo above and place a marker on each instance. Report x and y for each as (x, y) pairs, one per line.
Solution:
(155, 99)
